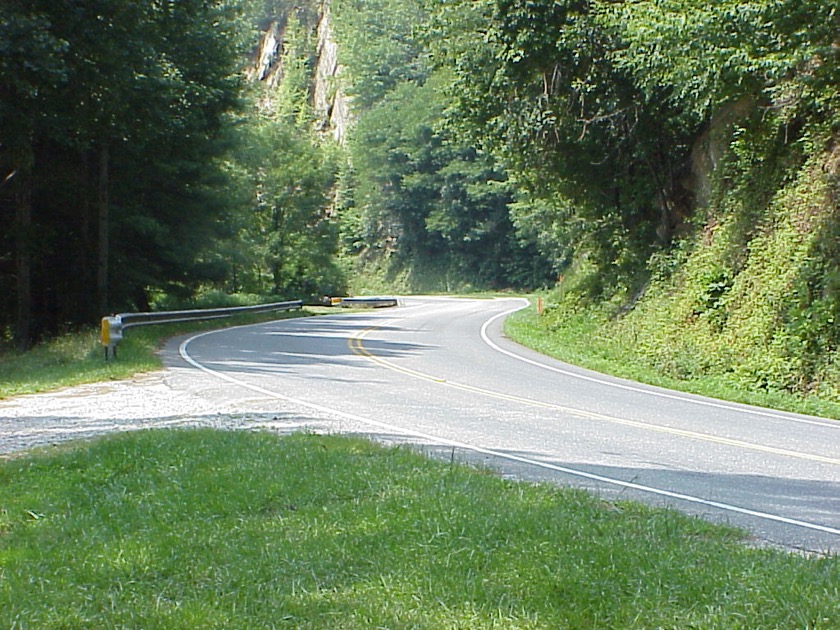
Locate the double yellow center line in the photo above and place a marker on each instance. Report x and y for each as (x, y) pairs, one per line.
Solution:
(356, 345)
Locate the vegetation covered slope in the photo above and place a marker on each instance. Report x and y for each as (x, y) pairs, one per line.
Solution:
(753, 294)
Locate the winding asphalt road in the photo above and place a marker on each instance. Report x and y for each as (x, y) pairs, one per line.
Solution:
(438, 372)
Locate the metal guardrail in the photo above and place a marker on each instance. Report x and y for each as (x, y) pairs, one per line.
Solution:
(113, 327)
(369, 302)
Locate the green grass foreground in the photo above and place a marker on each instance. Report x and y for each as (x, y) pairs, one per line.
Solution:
(207, 529)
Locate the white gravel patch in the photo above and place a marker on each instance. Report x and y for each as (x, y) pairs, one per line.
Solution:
(146, 401)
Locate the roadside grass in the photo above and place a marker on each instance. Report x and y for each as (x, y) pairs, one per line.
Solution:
(78, 358)
(579, 339)
(210, 529)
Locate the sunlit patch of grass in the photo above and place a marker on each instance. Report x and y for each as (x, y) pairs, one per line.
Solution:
(177, 529)
(78, 358)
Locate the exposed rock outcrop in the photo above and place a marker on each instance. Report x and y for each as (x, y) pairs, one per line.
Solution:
(329, 102)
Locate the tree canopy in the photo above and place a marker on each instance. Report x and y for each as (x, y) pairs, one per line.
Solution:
(109, 118)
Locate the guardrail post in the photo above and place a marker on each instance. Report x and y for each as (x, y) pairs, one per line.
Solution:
(111, 334)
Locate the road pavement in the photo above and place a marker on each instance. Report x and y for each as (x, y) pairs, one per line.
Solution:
(439, 373)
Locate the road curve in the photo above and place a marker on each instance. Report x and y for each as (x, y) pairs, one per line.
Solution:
(440, 373)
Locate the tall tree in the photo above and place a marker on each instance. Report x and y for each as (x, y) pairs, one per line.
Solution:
(31, 65)
(97, 88)
(596, 164)
(380, 46)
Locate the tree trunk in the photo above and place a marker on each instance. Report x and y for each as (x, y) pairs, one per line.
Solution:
(103, 219)
(23, 259)
(88, 182)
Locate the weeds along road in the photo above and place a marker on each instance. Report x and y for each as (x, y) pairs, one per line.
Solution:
(438, 372)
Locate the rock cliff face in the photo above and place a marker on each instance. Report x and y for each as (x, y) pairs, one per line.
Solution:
(266, 65)
(710, 146)
(329, 103)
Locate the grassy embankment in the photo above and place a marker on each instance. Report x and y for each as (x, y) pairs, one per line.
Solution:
(187, 529)
(589, 339)
(745, 307)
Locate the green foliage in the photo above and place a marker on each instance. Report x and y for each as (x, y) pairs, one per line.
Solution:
(430, 204)
(701, 55)
(379, 47)
(426, 206)
(596, 164)
(755, 308)
(292, 240)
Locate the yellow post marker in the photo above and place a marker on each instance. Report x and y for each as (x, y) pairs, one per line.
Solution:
(105, 332)
(540, 306)
(110, 334)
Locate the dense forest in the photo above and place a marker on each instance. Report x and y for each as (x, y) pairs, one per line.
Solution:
(668, 167)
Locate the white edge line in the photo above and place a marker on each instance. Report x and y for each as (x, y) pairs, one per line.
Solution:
(828, 424)
(486, 451)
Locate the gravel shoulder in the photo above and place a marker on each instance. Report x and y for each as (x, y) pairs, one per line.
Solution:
(146, 401)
